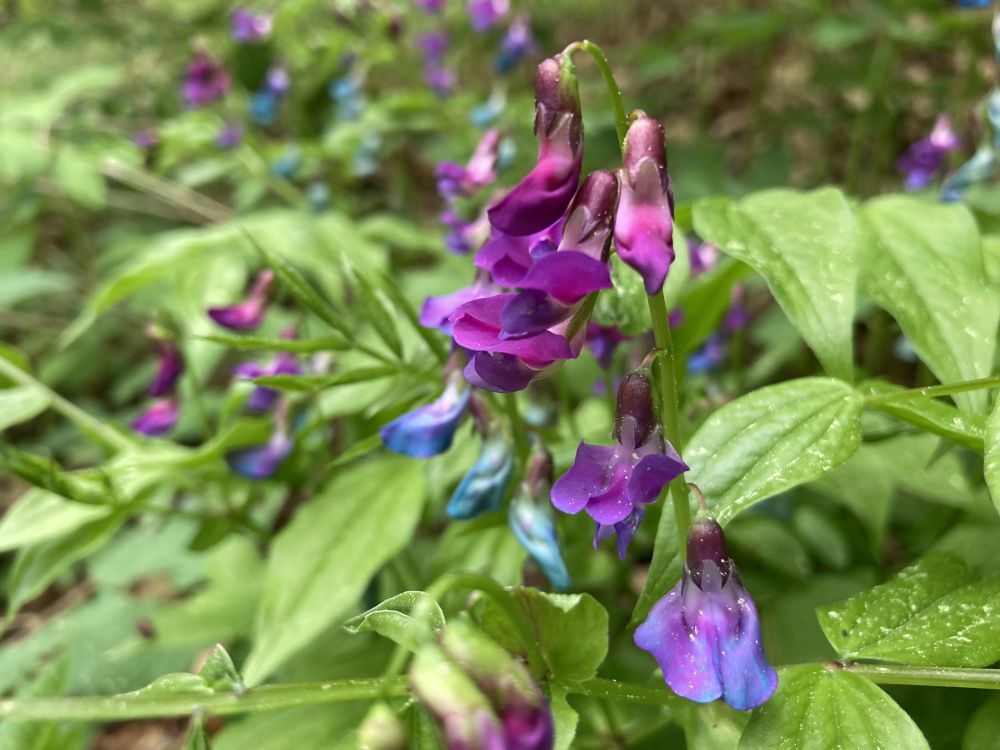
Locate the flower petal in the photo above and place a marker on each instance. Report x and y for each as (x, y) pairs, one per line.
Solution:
(500, 373)
(476, 326)
(567, 275)
(651, 475)
(428, 430)
(587, 477)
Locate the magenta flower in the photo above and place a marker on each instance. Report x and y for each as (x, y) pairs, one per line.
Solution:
(439, 79)
(644, 224)
(456, 181)
(168, 371)
(429, 430)
(159, 418)
(205, 81)
(476, 326)
(248, 314)
(247, 26)
(705, 634)
(508, 257)
(542, 196)
(614, 483)
(436, 311)
(925, 159)
(484, 14)
(262, 398)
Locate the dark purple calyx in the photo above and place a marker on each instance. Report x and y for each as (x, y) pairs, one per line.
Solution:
(539, 470)
(557, 93)
(635, 400)
(706, 542)
(645, 140)
(591, 214)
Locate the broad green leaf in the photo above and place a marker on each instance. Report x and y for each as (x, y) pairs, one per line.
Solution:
(712, 726)
(39, 515)
(409, 619)
(704, 304)
(755, 447)
(571, 630)
(806, 246)
(825, 708)
(933, 613)
(991, 465)
(931, 415)
(925, 266)
(983, 730)
(322, 561)
(35, 567)
(27, 283)
(862, 485)
(21, 403)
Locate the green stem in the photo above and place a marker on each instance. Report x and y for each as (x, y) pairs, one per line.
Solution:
(624, 691)
(935, 391)
(517, 430)
(107, 435)
(621, 120)
(502, 598)
(666, 372)
(897, 674)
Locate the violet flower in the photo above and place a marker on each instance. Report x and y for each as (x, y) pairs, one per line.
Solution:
(614, 483)
(436, 311)
(439, 79)
(602, 341)
(230, 136)
(247, 26)
(146, 139)
(168, 371)
(484, 14)
(644, 224)
(248, 314)
(431, 6)
(263, 461)
(428, 430)
(159, 418)
(484, 486)
(262, 398)
(517, 42)
(705, 634)
(925, 159)
(542, 196)
(508, 257)
(455, 181)
(433, 45)
(205, 81)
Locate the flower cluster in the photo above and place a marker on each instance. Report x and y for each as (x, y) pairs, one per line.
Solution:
(437, 75)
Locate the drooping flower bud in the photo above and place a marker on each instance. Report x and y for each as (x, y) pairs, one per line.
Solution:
(506, 682)
(542, 196)
(159, 418)
(169, 368)
(382, 730)
(644, 223)
(705, 634)
(484, 486)
(247, 26)
(531, 520)
(248, 314)
(263, 461)
(428, 430)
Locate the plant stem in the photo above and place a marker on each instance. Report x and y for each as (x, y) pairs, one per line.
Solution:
(107, 435)
(503, 599)
(897, 674)
(621, 121)
(935, 391)
(666, 372)
(517, 430)
(624, 691)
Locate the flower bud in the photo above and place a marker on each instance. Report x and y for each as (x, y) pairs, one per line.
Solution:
(705, 541)
(382, 730)
(635, 402)
(590, 216)
(484, 486)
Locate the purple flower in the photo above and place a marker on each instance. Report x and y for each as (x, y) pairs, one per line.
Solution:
(262, 461)
(542, 196)
(738, 316)
(146, 139)
(205, 81)
(439, 79)
(704, 256)
(484, 14)
(924, 160)
(517, 42)
(433, 45)
(159, 418)
(168, 371)
(455, 181)
(614, 483)
(431, 6)
(460, 237)
(602, 341)
(508, 257)
(262, 398)
(705, 634)
(476, 326)
(484, 486)
(436, 311)
(428, 430)
(644, 224)
(278, 81)
(230, 136)
(247, 26)
(248, 314)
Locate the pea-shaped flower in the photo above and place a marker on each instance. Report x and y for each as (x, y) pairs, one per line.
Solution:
(484, 486)
(614, 483)
(249, 313)
(429, 430)
(705, 634)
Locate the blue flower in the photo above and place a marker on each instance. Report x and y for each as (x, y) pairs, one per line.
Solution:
(705, 634)
(535, 529)
(484, 486)
(262, 461)
(429, 430)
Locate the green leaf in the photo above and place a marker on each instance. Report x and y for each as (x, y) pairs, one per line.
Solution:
(805, 245)
(862, 485)
(564, 717)
(79, 175)
(571, 630)
(39, 515)
(21, 403)
(820, 708)
(374, 306)
(925, 266)
(197, 738)
(219, 672)
(712, 726)
(366, 514)
(409, 619)
(991, 459)
(755, 447)
(310, 383)
(983, 730)
(37, 735)
(705, 302)
(37, 566)
(21, 284)
(931, 415)
(933, 613)
(301, 346)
